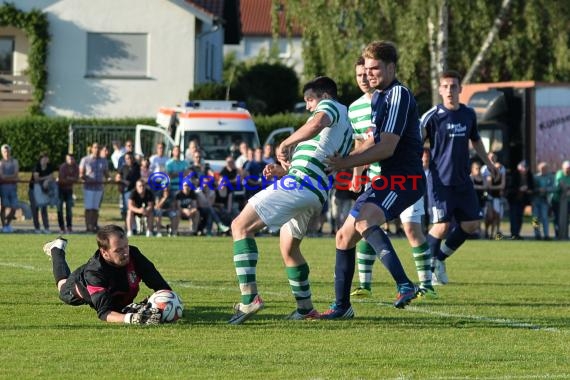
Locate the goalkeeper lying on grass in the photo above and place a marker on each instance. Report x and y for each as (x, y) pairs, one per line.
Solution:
(109, 281)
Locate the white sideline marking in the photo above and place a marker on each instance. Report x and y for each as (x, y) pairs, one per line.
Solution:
(422, 310)
(20, 266)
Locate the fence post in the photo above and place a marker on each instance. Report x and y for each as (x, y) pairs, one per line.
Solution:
(70, 139)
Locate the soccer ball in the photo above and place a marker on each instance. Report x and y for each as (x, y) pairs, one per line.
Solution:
(170, 304)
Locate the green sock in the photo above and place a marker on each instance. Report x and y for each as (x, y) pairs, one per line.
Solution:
(245, 261)
(422, 258)
(300, 287)
(365, 258)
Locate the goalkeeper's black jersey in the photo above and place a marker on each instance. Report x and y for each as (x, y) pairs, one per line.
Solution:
(107, 288)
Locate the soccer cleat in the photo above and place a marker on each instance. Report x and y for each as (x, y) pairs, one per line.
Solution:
(59, 242)
(296, 316)
(223, 228)
(244, 312)
(439, 275)
(406, 293)
(361, 292)
(334, 312)
(427, 293)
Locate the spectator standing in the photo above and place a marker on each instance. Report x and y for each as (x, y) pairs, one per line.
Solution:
(118, 152)
(519, 196)
(495, 192)
(9, 172)
(193, 147)
(42, 177)
(253, 170)
(561, 186)
(174, 167)
(128, 149)
(230, 175)
(158, 159)
(93, 171)
(68, 175)
(145, 170)
(268, 154)
(543, 188)
(127, 177)
(242, 158)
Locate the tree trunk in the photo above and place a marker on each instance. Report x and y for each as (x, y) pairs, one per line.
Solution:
(438, 47)
(499, 21)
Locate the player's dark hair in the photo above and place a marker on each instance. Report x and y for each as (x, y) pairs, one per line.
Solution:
(384, 51)
(450, 74)
(105, 233)
(320, 86)
(359, 61)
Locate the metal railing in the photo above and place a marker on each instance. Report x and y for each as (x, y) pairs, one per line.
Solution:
(15, 94)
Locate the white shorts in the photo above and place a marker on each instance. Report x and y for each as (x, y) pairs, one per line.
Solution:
(282, 208)
(414, 213)
(92, 199)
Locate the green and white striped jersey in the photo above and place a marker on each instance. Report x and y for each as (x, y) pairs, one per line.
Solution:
(359, 113)
(308, 157)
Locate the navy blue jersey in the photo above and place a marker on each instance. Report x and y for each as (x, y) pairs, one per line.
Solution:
(394, 111)
(107, 288)
(449, 132)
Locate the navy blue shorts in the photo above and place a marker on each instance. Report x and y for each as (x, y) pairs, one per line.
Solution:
(391, 197)
(454, 202)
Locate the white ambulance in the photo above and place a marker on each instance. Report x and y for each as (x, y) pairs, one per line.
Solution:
(218, 126)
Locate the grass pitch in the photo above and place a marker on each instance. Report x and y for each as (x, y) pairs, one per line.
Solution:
(504, 315)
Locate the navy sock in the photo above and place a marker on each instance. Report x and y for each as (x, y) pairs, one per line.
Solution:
(343, 274)
(385, 251)
(61, 270)
(435, 247)
(454, 240)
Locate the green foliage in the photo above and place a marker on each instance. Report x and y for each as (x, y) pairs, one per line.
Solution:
(496, 319)
(213, 91)
(335, 31)
(35, 24)
(269, 88)
(31, 135)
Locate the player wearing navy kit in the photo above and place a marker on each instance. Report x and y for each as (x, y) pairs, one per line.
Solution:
(109, 281)
(397, 146)
(449, 127)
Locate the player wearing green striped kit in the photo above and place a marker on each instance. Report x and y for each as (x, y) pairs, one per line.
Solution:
(289, 202)
(359, 113)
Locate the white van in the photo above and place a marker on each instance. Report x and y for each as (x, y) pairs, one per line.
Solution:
(217, 125)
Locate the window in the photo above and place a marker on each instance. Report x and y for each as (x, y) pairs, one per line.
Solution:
(6, 54)
(117, 55)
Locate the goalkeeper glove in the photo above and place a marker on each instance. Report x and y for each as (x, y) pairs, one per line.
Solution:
(146, 315)
(134, 307)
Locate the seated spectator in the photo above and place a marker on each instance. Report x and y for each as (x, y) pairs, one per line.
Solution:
(205, 198)
(166, 207)
(141, 204)
(187, 206)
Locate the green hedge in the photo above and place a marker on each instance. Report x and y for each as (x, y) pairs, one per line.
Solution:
(30, 135)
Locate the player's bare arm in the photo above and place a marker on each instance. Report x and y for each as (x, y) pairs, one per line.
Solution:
(380, 151)
(482, 153)
(274, 170)
(309, 130)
